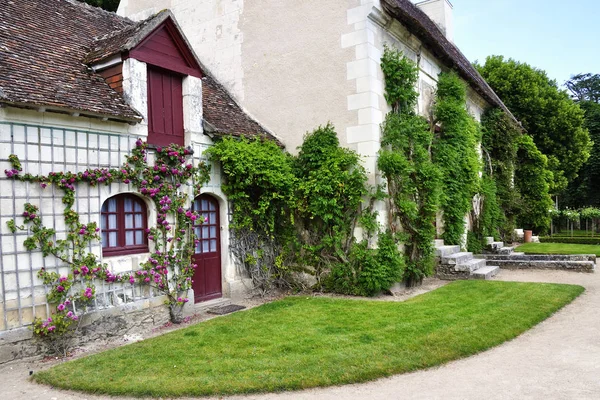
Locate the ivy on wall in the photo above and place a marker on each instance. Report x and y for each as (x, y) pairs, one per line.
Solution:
(455, 152)
(500, 144)
(413, 180)
(299, 213)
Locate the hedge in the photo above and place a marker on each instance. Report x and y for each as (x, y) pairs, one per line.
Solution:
(571, 240)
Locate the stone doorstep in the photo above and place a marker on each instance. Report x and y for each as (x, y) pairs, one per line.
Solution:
(205, 305)
(485, 273)
(457, 258)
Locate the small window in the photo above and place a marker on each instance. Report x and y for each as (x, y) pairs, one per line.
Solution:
(124, 223)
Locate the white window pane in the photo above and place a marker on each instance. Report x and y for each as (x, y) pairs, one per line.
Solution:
(129, 238)
(205, 232)
(104, 239)
(197, 231)
(213, 231)
(112, 221)
(105, 207)
(139, 237)
(138, 221)
(205, 246)
(213, 246)
(205, 217)
(212, 206)
(197, 250)
(128, 221)
(128, 205)
(112, 239)
(204, 205)
(138, 206)
(213, 218)
(112, 205)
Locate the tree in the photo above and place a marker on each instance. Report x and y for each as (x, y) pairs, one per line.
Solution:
(108, 5)
(551, 118)
(585, 89)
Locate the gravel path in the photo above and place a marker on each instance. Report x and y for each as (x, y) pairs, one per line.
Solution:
(558, 359)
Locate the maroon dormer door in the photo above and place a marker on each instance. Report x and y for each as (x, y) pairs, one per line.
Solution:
(165, 108)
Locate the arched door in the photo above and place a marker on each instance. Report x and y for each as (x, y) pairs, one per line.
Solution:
(207, 278)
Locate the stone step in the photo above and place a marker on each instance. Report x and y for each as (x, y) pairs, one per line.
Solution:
(471, 265)
(496, 245)
(205, 305)
(444, 251)
(489, 240)
(438, 242)
(485, 273)
(506, 250)
(457, 258)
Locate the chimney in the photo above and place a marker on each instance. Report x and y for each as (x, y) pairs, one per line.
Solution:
(440, 12)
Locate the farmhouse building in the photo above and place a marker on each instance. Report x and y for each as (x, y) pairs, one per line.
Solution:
(78, 87)
(295, 65)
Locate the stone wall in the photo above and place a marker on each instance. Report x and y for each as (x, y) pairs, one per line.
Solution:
(121, 323)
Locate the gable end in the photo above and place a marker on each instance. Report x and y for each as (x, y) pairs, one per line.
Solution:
(165, 48)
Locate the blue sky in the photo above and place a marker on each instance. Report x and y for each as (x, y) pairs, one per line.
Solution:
(560, 37)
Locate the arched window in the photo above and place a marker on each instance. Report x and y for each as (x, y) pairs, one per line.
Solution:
(124, 222)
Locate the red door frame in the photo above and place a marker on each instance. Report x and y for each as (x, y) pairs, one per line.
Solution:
(208, 278)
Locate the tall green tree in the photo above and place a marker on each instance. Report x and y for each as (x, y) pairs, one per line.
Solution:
(551, 118)
(585, 89)
(108, 5)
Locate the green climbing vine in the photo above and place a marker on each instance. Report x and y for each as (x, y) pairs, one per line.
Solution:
(413, 180)
(455, 152)
(500, 144)
(299, 214)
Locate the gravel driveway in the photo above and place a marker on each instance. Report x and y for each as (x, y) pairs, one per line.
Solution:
(558, 359)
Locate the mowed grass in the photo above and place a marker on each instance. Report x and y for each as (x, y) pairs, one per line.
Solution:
(559, 248)
(304, 342)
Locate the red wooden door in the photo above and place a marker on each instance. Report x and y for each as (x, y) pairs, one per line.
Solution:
(207, 278)
(165, 108)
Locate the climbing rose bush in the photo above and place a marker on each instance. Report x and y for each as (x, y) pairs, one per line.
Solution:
(170, 182)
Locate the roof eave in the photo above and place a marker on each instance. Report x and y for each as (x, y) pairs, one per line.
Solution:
(70, 111)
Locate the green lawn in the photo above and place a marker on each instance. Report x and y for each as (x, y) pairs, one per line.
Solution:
(559, 248)
(303, 342)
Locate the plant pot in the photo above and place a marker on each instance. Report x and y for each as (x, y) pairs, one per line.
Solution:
(527, 236)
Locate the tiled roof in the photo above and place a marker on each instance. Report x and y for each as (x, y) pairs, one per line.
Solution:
(42, 47)
(420, 25)
(225, 116)
(119, 41)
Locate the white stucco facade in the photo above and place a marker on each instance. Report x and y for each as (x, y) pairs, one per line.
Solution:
(297, 65)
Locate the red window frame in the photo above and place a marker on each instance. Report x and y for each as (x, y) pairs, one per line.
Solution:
(122, 248)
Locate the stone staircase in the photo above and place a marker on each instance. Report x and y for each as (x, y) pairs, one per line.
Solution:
(455, 264)
(494, 247)
(506, 258)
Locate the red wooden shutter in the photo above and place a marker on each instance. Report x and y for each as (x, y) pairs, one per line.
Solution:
(165, 108)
